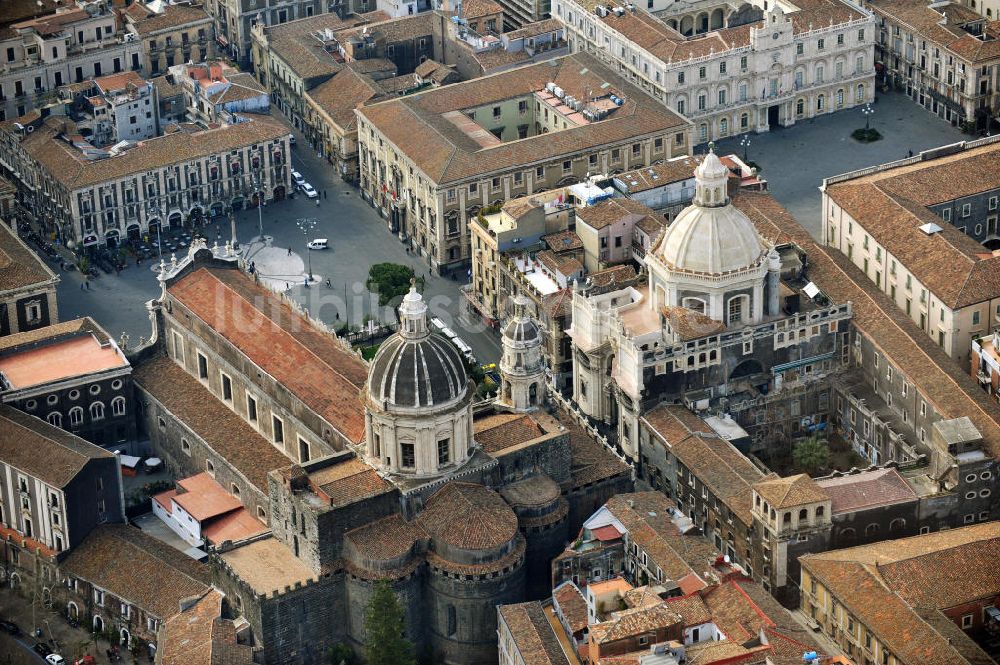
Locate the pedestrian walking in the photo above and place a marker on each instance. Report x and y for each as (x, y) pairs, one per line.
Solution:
(909, 153)
(324, 193)
(82, 287)
(317, 202)
(289, 251)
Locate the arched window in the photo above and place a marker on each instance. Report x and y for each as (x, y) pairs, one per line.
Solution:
(75, 416)
(234, 489)
(736, 309)
(847, 536)
(820, 102)
(839, 98)
(261, 514)
(871, 529)
(55, 418)
(897, 524)
(819, 511)
(694, 304)
(97, 411)
(803, 515)
(859, 92)
(118, 406)
(800, 107)
(723, 127)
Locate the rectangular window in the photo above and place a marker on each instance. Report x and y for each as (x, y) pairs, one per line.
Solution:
(408, 459)
(251, 409)
(227, 388)
(303, 450)
(202, 366)
(277, 430)
(444, 451)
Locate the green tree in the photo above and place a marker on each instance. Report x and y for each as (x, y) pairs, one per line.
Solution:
(390, 281)
(811, 454)
(385, 641)
(341, 654)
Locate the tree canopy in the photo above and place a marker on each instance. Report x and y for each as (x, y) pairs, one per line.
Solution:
(811, 454)
(385, 626)
(390, 281)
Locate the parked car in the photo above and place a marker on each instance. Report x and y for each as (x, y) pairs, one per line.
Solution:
(318, 243)
(10, 627)
(42, 649)
(308, 190)
(448, 332)
(55, 659)
(298, 178)
(86, 660)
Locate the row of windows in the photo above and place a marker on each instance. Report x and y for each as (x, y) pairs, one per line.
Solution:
(226, 384)
(74, 395)
(97, 412)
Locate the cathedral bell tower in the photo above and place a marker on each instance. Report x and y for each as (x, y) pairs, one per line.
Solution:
(522, 371)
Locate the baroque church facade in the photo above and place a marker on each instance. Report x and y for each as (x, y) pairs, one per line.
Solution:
(726, 318)
(385, 471)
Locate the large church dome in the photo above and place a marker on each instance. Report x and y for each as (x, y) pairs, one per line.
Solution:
(416, 368)
(711, 236)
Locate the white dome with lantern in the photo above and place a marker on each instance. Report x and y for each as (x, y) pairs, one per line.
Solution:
(711, 259)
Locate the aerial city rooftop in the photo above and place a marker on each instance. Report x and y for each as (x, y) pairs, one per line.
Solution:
(500, 331)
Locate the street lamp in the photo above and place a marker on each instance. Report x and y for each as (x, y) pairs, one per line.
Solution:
(867, 111)
(745, 142)
(232, 224)
(306, 225)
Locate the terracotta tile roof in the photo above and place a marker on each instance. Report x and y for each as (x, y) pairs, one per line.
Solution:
(951, 391)
(19, 266)
(647, 517)
(688, 324)
(488, 522)
(16, 11)
(592, 462)
(310, 364)
(339, 96)
(202, 498)
(138, 568)
(716, 463)
(563, 241)
(197, 636)
(385, 539)
(242, 86)
(868, 489)
(891, 586)
(612, 211)
(692, 609)
(237, 525)
(231, 437)
(166, 89)
(659, 175)
(120, 81)
(267, 565)
(40, 450)
(480, 8)
(508, 434)
(533, 635)
(572, 606)
(891, 205)
(557, 304)
(633, 622)
(415, 126)
(67, 164)
(398, 85)
(295, 43)
(347, 482)
(559, 264)
(940, 25)
(613, 276)
(791, 491)
(652, 226)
